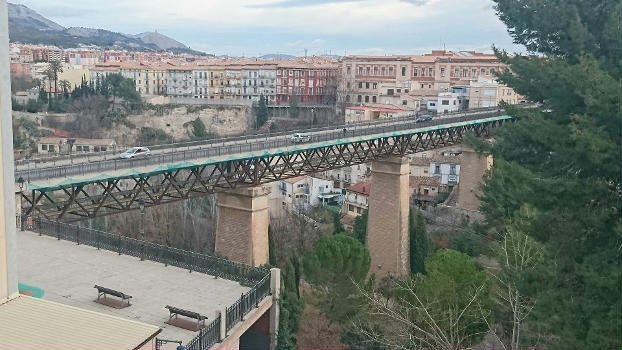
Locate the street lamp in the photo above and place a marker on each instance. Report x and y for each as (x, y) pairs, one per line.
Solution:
(20, 183)
(141, 205)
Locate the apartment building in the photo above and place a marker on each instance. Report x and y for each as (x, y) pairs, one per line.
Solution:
(300, 193)
(404, 80)
(200, 82)
(179, 82)
(489, 93)
(259, 79)
(83, 58)
(312, 80)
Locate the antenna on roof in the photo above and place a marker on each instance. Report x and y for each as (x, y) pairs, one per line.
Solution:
(305, 53)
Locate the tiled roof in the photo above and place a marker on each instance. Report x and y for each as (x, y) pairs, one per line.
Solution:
(360, 187)
(415, 181)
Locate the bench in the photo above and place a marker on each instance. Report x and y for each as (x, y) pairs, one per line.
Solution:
(175, 311)
(103, 291)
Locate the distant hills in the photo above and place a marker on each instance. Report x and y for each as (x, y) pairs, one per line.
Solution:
(273, 56)
(27, 26)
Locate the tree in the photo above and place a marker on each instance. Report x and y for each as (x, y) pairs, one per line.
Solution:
(290, 307)
(198, 128)
(519, 256)
(261, 111)
(65, 86)
(294, 111)
(54, 68)
(562, 162)
(337, 264)
(448, 308)
(419, 242)
(359, 229)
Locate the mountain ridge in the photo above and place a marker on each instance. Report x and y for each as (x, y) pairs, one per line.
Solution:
(28, 26)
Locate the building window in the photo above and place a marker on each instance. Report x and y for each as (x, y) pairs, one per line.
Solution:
(398, 90)
(437, 169)
(382, 71)
(347, 71)
(367, 85)
(366, 98)
(360, 85)
(452, 169)
(373, 99)
(404, 102)
(359, 98)
(390, 92)
(442, 72)
(415, 72)
(445, 102)
(390, 70)
(44, 147)
(367, 71)
(403, 71)
(360, 70)
(374, 85)
(375, 70)
(405, 91)
(347, 98)
(350, 207)
(51, 148)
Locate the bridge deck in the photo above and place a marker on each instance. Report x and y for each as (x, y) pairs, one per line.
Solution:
(150, 170)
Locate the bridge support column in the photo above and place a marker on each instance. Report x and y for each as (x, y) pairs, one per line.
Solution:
(473, 166)
(387, 226)
(242, 225)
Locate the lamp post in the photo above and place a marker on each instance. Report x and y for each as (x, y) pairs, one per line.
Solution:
(20, 183)
(141, 205)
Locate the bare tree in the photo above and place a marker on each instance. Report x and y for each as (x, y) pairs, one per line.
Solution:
(517, 253)
(413, 321)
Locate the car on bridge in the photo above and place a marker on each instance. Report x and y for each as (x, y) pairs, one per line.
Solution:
(300, 138)
(423, 118)
(135, 152)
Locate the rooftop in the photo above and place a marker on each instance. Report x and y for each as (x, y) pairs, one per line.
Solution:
(360, 187)
(67, 272)
(50, 325)
(415, 181)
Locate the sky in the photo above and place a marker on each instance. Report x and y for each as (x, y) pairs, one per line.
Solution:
(257, 27)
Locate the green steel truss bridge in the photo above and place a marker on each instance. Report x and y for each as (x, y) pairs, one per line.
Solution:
(78, 191)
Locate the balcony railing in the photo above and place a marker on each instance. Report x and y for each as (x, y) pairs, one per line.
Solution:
(204, 263)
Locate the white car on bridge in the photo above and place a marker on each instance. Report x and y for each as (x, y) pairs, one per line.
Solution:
(135, 152)
(300, 138)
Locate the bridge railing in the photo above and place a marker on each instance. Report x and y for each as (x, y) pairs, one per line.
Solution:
(193, 261)
(273, 142)
(249, 137)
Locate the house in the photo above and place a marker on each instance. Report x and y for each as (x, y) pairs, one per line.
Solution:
(66, 145)
(300, 193)
(356, 199)
(424, 189)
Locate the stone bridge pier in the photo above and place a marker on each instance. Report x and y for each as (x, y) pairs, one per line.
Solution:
(242, 225)
(387, 226)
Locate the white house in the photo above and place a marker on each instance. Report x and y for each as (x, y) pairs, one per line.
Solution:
(447, 102)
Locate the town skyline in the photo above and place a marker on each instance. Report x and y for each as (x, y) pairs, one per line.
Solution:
(334, 27)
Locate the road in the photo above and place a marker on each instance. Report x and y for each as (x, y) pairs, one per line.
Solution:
(60, 167)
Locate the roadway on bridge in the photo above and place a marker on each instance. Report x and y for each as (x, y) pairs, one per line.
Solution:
(70, 171)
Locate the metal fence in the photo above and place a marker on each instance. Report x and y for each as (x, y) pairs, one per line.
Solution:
(207, 336)
(204, 263)
(236, 312)
(243, 144)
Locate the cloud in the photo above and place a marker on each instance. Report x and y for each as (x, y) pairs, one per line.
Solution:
(299, 3)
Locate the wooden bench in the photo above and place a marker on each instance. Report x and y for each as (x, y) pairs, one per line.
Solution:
(103, 291)
(175, 311)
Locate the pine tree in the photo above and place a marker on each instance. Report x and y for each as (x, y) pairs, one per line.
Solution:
(359, 230)
(419, 242)
(562, 163)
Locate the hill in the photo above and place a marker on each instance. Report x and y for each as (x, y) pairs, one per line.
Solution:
(28, 26)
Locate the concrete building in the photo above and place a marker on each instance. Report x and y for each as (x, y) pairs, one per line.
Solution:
(346, 176)
(404, 80)
(200, 82)
(302, 192)
(56, 145)
(179, 82)
(356, 199)
(307, 80)
(368, 113)
(259, 79)
(489, 93)
(447, 102)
